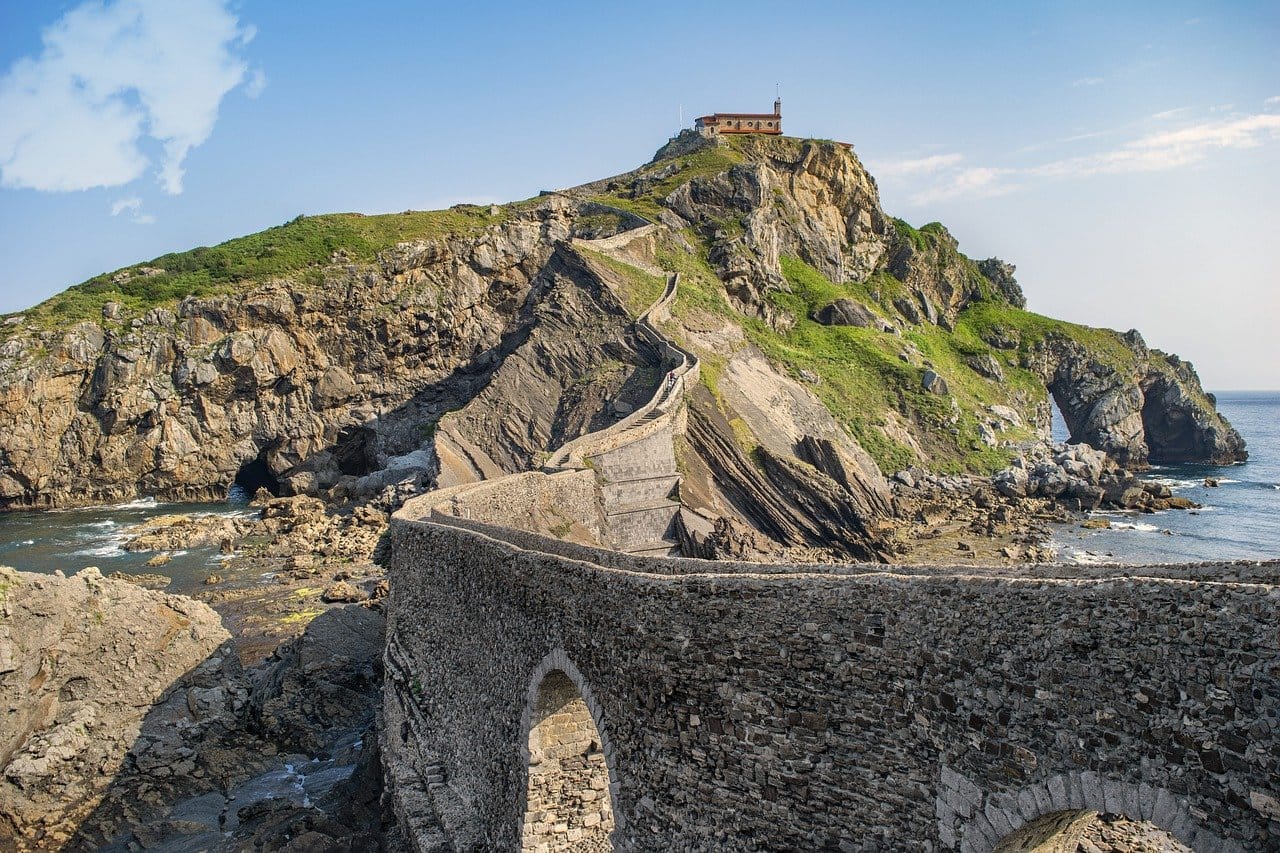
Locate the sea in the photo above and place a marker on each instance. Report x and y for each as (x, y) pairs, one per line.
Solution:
(69, 540)
(1239, 519)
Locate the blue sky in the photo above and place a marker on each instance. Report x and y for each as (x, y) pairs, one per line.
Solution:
(1127, 160)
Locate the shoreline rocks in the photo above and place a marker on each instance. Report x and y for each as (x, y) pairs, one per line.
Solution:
(81, 660)
(1082, 478)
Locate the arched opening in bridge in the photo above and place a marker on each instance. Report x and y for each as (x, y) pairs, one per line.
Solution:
(253, 475)
(568, 803)
(1087, 831)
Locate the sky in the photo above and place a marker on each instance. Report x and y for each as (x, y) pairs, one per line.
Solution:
(1126, 157)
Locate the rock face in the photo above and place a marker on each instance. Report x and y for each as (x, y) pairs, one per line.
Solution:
(1179, 419)
(790, 197)
(1139, 406)
(338, 376)
(82, 659)
(575, 354)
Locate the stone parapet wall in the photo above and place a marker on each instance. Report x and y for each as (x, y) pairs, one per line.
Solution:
(530, 501)
(852, 708)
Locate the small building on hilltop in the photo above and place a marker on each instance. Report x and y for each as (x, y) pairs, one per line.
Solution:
(716, 123)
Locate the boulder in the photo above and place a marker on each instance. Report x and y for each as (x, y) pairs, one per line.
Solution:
(985, 365)
(847, 312)
(342, 593)
(1011, 482)
(933, 383)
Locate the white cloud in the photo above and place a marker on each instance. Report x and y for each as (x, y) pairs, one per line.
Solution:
(1168, 114)
(132, 206)
(920, 166)
(1272, 101)
(257, 82)
(1088, 81)
(110, 76)
(1169, 149)
(976, 182)
(1153, 152)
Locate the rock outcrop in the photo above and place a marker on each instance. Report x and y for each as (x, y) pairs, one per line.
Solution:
(1138, 405)
(233, 759)
(82, 660)
(291, 385)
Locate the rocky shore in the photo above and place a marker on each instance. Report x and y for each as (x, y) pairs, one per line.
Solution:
(137, 727)
(297, 559)
(1007, 518)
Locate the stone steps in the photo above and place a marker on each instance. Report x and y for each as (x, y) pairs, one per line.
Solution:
(637, 524)
(640, 489)
(660, 548)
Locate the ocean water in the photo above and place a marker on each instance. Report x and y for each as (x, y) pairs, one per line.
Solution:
(1240, 519)
(69, 540)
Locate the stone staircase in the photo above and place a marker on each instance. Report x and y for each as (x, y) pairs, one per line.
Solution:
(634, 459)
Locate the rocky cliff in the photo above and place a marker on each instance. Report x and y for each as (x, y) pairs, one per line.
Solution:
(346, 355)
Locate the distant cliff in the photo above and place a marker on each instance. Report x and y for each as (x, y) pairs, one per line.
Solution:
(343, 355)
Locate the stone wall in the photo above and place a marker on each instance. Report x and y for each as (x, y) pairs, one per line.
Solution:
(854, 708)
(566, 502)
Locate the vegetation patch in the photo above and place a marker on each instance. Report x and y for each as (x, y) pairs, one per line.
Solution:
(643, 196)
(298, 249)
(638, 289)
(302, 617)
(1031, 331)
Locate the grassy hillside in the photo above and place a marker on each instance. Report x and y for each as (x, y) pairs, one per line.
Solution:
(298, 249)
(863, 377)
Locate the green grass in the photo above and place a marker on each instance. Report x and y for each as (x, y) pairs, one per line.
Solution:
(863, 379)
(644, 199)
(638, 289)
(299, 249)
(1030, 330)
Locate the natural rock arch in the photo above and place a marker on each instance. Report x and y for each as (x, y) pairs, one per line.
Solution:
(571, 788)
(988, 821)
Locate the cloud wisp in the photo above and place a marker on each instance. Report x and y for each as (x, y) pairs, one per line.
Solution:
(112, 80)
(919, 166)
(1152, 152)
(133, 207)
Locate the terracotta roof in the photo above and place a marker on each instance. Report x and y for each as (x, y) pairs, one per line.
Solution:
(719, 116)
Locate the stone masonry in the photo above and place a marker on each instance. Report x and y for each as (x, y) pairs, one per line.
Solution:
(568, 806)
(858, 708)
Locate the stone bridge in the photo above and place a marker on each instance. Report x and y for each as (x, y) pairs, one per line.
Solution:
(743, 707)
(546, 695)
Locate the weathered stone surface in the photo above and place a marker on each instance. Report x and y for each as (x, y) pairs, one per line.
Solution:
(933, 383)
(818, 706)
(846, 312)
(307, 380)
(82, 659)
